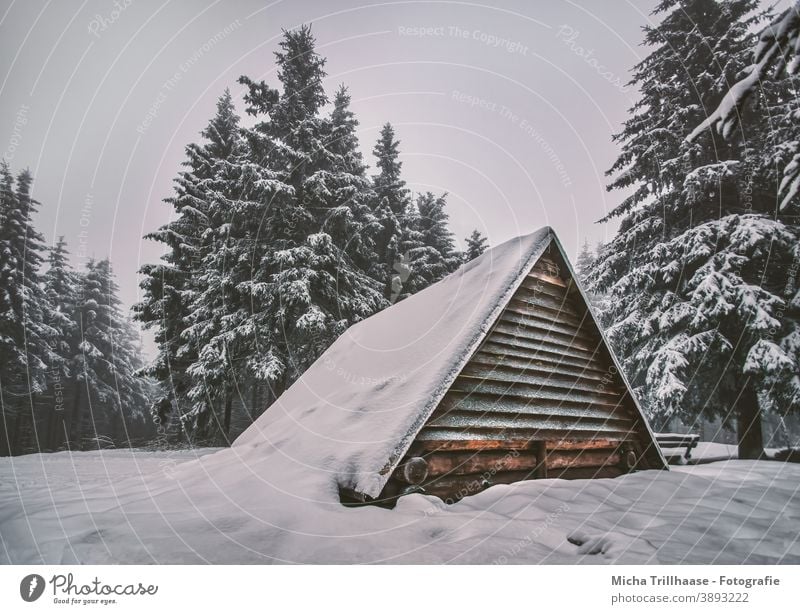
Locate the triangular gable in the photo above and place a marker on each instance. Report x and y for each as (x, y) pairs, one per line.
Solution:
(543, 390)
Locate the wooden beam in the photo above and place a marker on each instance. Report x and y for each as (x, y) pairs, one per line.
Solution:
(461, 463)
(582, 444)
(550, 279)
(421, 447)
(582, 458)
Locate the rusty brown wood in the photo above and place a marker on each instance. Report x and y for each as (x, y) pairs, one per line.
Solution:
(420, 448)
(582, 458)
(582, 444)
(429, 433)
(460, 463)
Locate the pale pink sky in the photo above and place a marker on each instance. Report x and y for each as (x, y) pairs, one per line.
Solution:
(509, 107)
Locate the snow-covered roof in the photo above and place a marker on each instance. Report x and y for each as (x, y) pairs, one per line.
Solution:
(357, 409)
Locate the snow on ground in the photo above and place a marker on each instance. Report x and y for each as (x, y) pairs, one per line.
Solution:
(120, 506)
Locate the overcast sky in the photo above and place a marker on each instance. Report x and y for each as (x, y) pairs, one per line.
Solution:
(510, 107)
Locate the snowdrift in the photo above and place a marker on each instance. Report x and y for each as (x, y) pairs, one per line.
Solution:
(141, 507)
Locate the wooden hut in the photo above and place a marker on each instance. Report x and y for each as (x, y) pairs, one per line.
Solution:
(503, 375)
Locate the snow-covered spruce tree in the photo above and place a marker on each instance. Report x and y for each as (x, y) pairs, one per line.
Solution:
(25, 337)
(697, 269)
(304, 289)
(107, 390)
(219, 325)
(60, 283)
(427, 244)
(390, 203)
(171, 286)
(137, 392)
(476, 245)
(350, 222)
(583, 262)
(778, 49)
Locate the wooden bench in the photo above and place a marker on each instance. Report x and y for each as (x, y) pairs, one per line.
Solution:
(678, 440)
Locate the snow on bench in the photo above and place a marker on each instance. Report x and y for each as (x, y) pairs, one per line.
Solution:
(678, 440)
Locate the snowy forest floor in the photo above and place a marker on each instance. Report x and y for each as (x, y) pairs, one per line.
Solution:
(135, 506)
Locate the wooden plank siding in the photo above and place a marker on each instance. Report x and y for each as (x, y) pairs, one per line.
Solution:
(539, 398)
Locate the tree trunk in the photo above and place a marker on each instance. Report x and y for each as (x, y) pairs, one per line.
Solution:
(201, 425)
(29, 435)
(15, 433)
(59, 434)
(748, 424)
(50, 436)
(254, 409)
(75, 427)
(5, 443)
(226, 424)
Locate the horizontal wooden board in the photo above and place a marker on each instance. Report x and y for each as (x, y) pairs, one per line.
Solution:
(473, 402)
(539, 321)
(525, 391)
(546, 366)
(451, 434)
(583, 444)
(476, 421)
(543, 342)
(536, 333)
(460, 463)
(522, 308)
(423, 448)
(500, 345)
(543, 301)
(547, 277)
(537, 377)
(581, 458)
(545, 285)
(553, 347)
